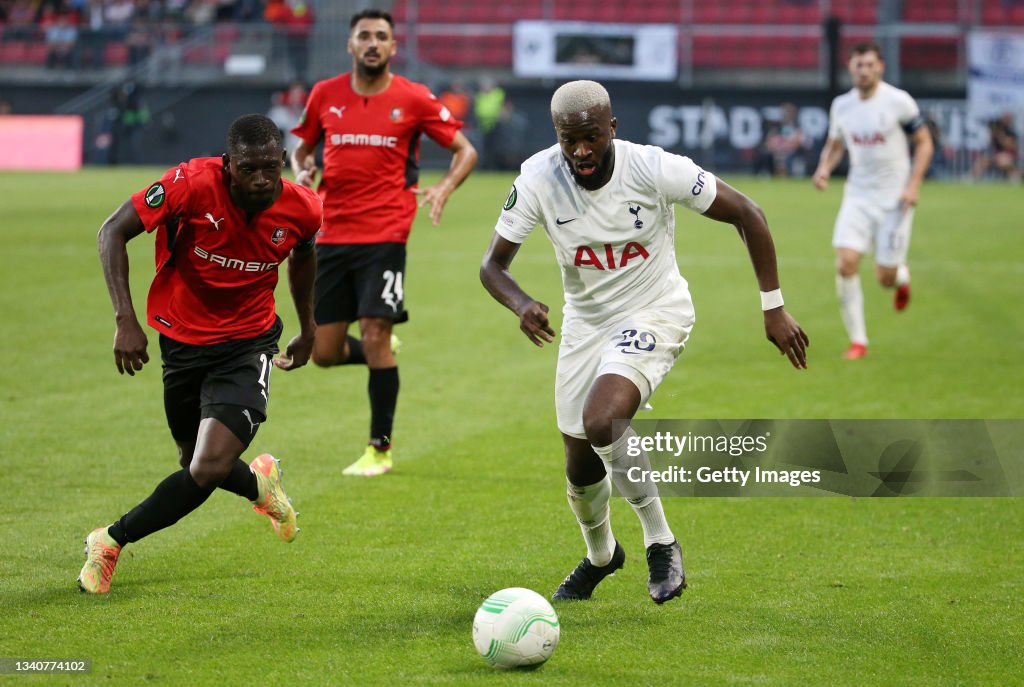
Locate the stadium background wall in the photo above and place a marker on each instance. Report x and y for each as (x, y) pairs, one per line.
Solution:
(190, 123)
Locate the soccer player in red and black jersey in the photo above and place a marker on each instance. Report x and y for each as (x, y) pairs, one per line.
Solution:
(223, 226)
(370, 122)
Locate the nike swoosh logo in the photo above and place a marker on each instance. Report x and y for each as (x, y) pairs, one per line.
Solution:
(559, 221)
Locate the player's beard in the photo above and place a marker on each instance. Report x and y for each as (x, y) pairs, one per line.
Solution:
(255, 202)
(603, 173)
(372, 72)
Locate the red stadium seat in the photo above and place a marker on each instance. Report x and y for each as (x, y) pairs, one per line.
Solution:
(225, 34)
(399, 11)
(466, 50)
(929, 11)
(205, 54)
(115, 54)
(764, 11)
(37, 53)
(14, 52)
(1002, 13)
(759, 52)
(856, 11)
(930, 53)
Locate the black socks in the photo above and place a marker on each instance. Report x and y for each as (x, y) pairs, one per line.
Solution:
(355, 352)
(174, 498)
(241, 481)
(383, 389)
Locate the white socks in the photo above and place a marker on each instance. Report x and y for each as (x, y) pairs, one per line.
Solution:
(851, 307)
(902, 275)
(643, 496)
(590, 504)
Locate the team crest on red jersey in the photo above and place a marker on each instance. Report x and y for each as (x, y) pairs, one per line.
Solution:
(278, 235)
(396, 114)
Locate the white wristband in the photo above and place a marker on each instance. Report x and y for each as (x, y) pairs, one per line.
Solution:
(771, 299)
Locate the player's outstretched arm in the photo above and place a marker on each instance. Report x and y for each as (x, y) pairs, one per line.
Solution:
(781, 329)
(301, 277)
(130, 340)
(304, 164)
(494, 274)
(463, 160)
(831, 156)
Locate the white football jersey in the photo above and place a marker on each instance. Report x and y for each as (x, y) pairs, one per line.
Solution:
(615, 245)
(875, 133)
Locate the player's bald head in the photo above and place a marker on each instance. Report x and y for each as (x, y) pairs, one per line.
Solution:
(253, 131)
(579, 98)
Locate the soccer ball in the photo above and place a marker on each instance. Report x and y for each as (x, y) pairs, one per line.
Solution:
(515, 627)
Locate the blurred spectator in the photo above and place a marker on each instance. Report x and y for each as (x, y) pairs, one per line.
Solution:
(937, 168)
(92, 37)
(139, 41)
(286, 110)
(21, 21)
(789, 146)
(764, 159)
(511, 134)
(225, 10)
(202, 12)
(175, 9)
(487, 107)
(293, 21)
(1002, 152)
(6, 108)
(117, 16)
(61, 38)
(248, 10)
(782, 151)
(457, 99)
(120, 137)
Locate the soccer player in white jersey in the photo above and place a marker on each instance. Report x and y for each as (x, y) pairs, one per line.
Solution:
(608, 207)
(873, 120)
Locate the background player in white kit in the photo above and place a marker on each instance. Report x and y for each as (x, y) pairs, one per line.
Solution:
(873, 120)
(608, 208)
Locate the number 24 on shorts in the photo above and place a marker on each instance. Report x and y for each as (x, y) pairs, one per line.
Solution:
(392, 294)
(634, 342)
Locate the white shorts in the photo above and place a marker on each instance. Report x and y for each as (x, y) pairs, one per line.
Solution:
(641, 346)
(863, 224)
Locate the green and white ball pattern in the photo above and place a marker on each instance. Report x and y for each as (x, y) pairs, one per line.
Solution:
(515, 627)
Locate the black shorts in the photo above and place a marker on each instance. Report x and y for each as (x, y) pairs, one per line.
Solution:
(229, 381)
(360, 280)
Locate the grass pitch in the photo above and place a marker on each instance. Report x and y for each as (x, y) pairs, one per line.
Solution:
(382, 584)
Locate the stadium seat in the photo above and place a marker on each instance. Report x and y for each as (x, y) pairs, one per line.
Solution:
(929, 53)
(399, 11)
(652, 12)
(763, 12)
(759, 52)
(467, 50)
(797, 14)
(225, 34)
(1002, 13)
(220, 53)
(14, 52)
(856, 11)
(115, 53)
(929, 11)
(205, 54)
(37, 53)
